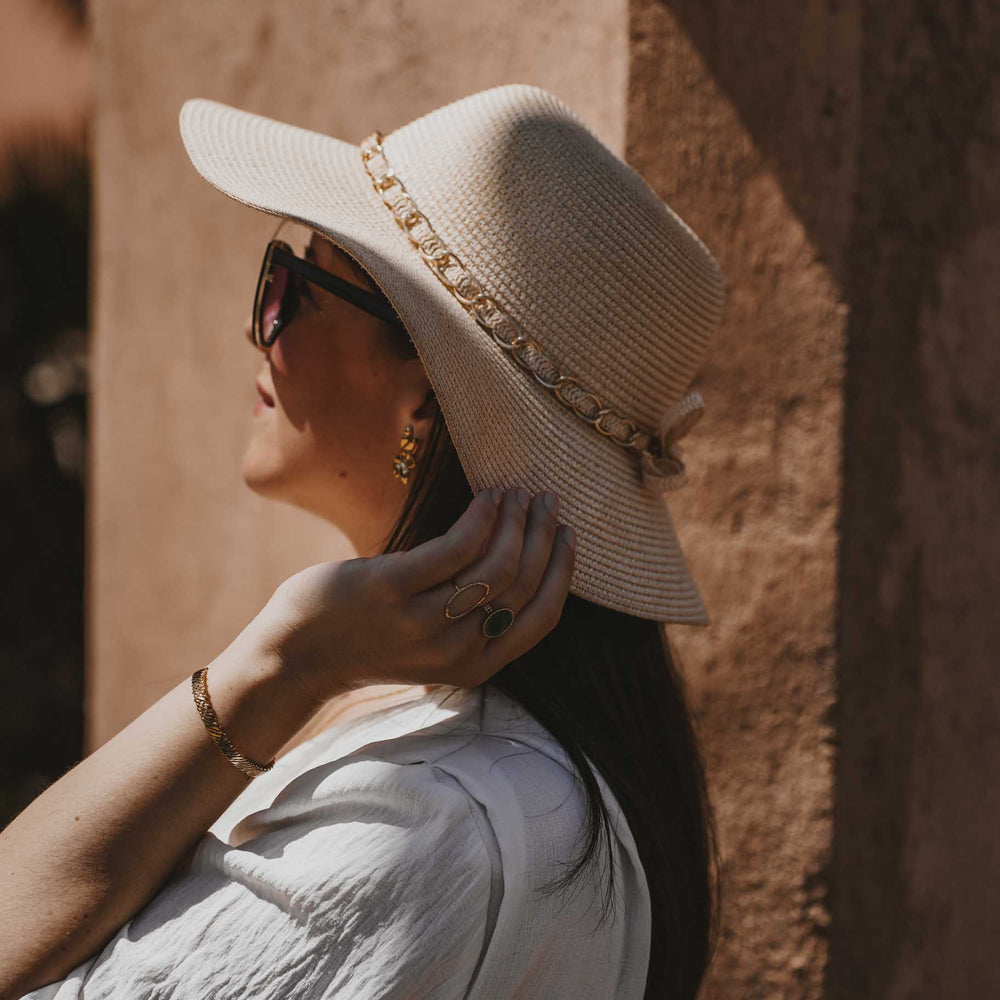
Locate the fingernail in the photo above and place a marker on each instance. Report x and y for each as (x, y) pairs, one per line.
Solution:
(496, 494)
(522, 497)
(551, 502)
(570, 536)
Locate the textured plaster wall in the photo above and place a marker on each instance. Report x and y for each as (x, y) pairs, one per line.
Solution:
(916, 861)
(181, 555)
(841, 160)
(748, 137)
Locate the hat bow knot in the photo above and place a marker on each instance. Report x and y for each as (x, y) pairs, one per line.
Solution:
(666, 471)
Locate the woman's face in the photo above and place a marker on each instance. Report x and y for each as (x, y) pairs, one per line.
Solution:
(341, 398)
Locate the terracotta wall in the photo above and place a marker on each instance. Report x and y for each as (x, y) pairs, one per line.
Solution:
(916, 860)
(841, 160)
(757, 167)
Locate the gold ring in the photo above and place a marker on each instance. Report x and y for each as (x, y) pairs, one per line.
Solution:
(497, 620)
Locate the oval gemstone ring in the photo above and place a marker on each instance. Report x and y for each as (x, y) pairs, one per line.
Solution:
(497, 620)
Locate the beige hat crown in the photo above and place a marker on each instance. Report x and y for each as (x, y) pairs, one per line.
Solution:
(501, 220)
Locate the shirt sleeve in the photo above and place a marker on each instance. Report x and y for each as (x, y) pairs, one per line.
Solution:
(364, 879)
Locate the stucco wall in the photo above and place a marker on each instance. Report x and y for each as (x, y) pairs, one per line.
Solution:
(731, 123)
(180, 553)
(841, 160)
(916, 861)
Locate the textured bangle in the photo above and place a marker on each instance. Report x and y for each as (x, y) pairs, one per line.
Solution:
(204, 704)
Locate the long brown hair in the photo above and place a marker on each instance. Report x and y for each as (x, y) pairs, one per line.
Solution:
(604, 684)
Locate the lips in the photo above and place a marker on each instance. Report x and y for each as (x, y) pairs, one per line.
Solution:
(265, 395)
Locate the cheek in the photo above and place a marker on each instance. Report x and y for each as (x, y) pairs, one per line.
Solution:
(309, 402)
(278, 360)
(304, 357)
(333, 403)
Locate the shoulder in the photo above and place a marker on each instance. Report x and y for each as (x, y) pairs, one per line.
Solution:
(515, 780)
(376, 817)
(488, 788)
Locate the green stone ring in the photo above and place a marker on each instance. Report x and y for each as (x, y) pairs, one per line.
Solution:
(497, 620)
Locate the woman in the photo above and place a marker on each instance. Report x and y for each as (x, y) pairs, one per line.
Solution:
(487, 329)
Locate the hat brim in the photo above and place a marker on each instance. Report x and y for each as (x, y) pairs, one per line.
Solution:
(507, 429)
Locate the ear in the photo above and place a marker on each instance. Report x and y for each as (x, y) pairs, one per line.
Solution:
(416, 402)
(428, 408)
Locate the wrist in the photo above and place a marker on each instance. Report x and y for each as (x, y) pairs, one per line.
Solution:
(302, 661)
(256, 694)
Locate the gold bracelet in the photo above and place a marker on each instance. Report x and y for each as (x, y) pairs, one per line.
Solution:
(204, 704)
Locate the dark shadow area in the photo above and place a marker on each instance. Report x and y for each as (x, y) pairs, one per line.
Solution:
(44, 235)
(789, 69)
(927, 70)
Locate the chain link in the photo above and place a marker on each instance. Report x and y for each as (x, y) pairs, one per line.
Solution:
(488, 314)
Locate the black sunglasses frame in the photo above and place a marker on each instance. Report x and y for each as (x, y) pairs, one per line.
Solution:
(279, 252)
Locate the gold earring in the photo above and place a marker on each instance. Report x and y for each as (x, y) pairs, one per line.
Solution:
(403, 463)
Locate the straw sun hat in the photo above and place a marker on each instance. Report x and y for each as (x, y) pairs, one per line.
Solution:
(542, 281)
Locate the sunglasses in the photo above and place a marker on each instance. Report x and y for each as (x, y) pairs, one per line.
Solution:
(280, 288)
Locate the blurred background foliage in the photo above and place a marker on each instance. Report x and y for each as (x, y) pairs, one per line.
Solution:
(44, 238)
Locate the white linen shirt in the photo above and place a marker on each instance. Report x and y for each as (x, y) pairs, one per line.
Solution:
(395, 856)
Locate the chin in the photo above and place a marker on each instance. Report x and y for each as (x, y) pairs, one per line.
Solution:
(264, 473)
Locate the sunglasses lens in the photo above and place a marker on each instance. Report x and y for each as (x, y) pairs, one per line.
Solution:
(278, 302)
(279, 290)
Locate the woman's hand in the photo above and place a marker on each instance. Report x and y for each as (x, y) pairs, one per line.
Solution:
(380, 620)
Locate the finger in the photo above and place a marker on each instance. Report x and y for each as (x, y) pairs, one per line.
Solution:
(498, 565)
(540, 615)
(427, 564)
(539, 536)
(536, 546)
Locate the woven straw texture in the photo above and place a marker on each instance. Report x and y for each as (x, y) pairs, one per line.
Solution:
(577, 249)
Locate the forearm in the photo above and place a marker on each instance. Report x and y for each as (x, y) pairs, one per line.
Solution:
(93, 848)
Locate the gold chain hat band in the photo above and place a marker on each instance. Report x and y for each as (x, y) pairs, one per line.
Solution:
(661, 463)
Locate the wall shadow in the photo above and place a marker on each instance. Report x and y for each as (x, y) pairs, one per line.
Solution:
(867, 114)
